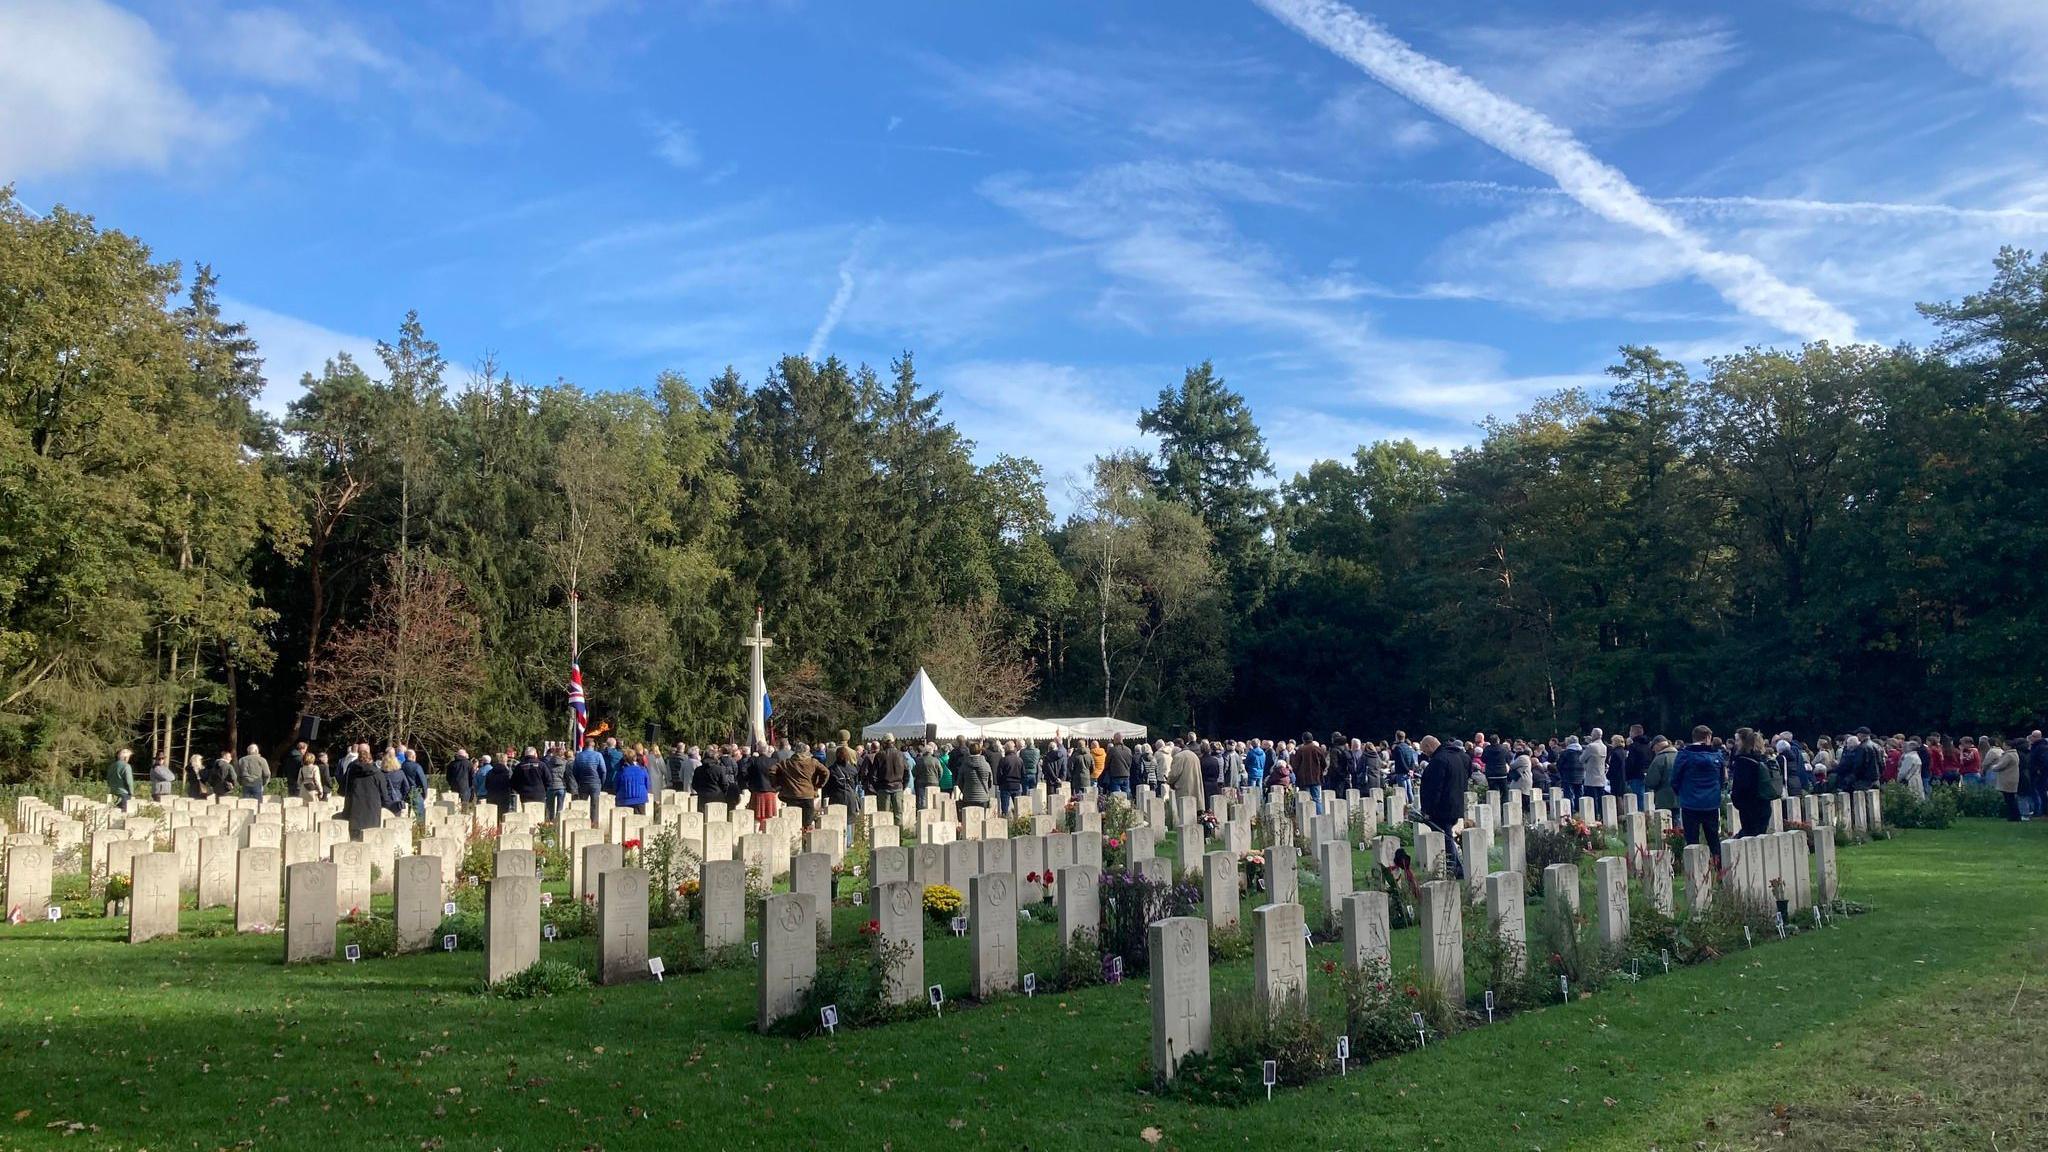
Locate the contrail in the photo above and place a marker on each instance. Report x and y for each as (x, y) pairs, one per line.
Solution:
(1532, 138)
(1786, 205)
(840, 300)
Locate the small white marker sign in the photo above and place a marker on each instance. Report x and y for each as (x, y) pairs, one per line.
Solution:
(353, 952)
(448, 942)
(829, 1016)
(657, 968)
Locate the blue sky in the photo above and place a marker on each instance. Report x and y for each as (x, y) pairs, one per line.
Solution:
(1379, 220)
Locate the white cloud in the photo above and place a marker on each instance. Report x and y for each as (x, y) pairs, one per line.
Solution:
(1530, 137)
(1177, 264)
(85, 85)
(276, 47)
(1061, 415)
(1636, 68)
(675, 144)
(2002, 40)
(291, 348)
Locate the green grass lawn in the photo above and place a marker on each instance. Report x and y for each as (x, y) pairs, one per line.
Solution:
(1906, 1028)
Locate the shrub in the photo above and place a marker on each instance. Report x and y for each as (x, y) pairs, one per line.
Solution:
(1982, 803)
(853, 981)
(1071, 966)
(942, 902)
(1543, 846)
(1902, 809)
(1244, 1034)
(544, 978)
(571, 917)
(375, 935)
(1130, 903)
(1119, 816)
(1376, 1017)
(466, 927)
(671, 866)
(1228, 944)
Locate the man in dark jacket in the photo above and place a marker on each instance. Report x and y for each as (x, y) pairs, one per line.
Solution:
(1031, 756)
(1638, 765)
(1311, 761)
(892, 772)
(1495, 760)
(530, 781)
(1009, 778)
(462, 777)
(1445, 769)
(1116, 770)
(1696, 781)
(586, 775)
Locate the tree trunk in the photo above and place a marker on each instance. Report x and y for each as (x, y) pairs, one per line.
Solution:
(234, 702)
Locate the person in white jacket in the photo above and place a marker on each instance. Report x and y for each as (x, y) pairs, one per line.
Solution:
(1593, 758)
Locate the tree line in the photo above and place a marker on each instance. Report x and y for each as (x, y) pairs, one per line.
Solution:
(1796, 537)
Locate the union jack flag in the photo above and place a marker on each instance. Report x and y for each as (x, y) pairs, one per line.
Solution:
(579, 713)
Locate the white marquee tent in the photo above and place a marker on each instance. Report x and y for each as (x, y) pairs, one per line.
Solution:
(921, 710)
(1017, 727)
(1098, 727)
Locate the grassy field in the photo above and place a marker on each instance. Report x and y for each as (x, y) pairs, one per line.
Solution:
(1907, 1028)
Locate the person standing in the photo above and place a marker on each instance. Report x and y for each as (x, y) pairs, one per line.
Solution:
(462, 778)
(1445, 768)
(362, 796)
(1635, 770)
(892, 771)
(1211, 770)
(530, 781)
(1593, 759)
(1495, 758)
(2002, 764)
(974, 777)
(1009, 771)
(1696, 783)
(1657, 777)
(586, 772)
(1310, 762)
(1571, 770)
(630, 788)
(1750, 787)
(160, 779)
(1116, 767)
(252, 773)
(309, 784)
(800, 778)
(842, 774)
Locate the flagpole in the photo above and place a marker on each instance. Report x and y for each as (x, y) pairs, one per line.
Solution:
(575, 657)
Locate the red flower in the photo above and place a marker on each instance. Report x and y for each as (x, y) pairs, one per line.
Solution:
(1115, 843)
(629, 845)
(1329, 967)
(871, 928)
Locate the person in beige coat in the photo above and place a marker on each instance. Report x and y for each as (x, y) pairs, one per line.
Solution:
(1184, 772)
(2005, 763)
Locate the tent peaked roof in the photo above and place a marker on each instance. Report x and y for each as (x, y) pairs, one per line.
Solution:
(919, 710)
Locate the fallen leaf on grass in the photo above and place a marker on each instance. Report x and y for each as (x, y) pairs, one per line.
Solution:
(1151, 1135)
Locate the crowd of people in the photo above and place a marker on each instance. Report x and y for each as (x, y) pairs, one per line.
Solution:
(1691, 778)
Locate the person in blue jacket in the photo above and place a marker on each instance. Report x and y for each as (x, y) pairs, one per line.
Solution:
(1696, 780)
(586, 768)
(630, 785)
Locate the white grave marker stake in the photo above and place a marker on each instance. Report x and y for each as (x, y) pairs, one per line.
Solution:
(1343, 1055)
(829, 1016)
(937, 994)
(448, 909)
(1421, 1031)
(548, 931)
(658, 968)
(1564, 987)
(354, 952)
(856, 899)
(1272, 1072)
(54, 913)
(1489, 1005)
(1031, 983)
(448, 942)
